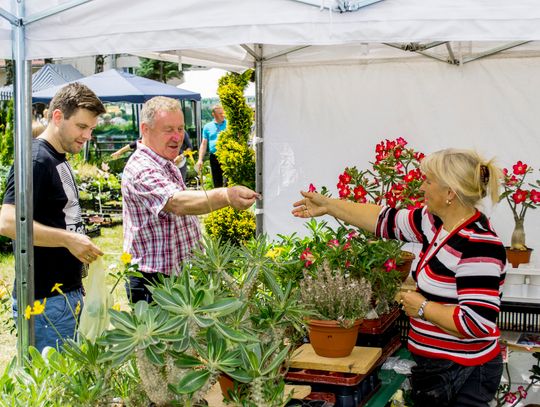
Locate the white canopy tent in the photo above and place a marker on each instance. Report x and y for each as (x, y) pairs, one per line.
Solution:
(329, 85)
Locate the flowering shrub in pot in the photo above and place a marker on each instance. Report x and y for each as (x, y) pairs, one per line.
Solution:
(346, 249)
(521, 197)
(339, 301)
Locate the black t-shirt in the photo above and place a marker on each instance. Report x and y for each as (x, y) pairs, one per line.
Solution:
(56, 204)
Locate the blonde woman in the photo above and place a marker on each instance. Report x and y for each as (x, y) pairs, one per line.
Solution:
(454, 337)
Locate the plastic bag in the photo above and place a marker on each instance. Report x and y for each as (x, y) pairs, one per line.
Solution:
(95, 316)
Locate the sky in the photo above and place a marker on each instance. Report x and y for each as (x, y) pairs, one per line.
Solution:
(205, 82)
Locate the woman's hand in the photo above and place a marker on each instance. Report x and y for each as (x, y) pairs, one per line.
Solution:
(311, 206)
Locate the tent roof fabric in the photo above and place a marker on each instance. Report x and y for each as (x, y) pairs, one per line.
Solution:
(117, 86)
(195, 24)
(49, 75)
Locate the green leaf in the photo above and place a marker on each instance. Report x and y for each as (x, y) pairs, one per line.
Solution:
(141, 308)
(232, 334)
(203, 322)
(276, 362)
(192, 382)
(167, 301)
(187, 361)
(154, 357)
(223, 306)
(240, 375)
(198, 299)
(122, 320)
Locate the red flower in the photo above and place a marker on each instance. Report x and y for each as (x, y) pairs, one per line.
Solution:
(397, 153)
(345, 178)
(359, 192)
(510, 397)
(520, 196)
(380, 156)
(411, 176)
(519, 168)
(401, 141)
(308, 257)
(379, 148)
(535, 196)
(415, 203)
(399, 168)
(419, 156)
(352, 234)
(511, 181)
(522, 392)
(390, 144)
(347, 264)
(344, 192)
(389, 265)
(333, 243)
(312, 188)
(347, 246)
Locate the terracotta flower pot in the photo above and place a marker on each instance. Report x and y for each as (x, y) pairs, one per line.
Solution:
(404, 267)
(517, 257)
(226, 383)
(331, 340)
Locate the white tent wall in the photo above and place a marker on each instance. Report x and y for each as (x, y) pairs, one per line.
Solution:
(320, 119)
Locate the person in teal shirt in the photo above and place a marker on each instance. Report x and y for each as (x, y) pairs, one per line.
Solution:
(209, 141)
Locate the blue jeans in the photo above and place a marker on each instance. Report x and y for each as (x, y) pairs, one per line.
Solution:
(443, 383)
(60, 315)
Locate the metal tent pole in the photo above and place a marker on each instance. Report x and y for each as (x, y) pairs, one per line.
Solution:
(259, 206)
(24, 253)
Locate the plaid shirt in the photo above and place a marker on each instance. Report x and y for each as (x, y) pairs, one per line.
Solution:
(158, 241)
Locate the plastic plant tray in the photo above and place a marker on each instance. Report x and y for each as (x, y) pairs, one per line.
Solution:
(379, 325)
(324, 377)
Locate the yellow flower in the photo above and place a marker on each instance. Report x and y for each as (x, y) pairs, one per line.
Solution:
(125, 258)
(274, 252)
(116, 306)
(28, 312)
(78, 308)
(189, 154)
(39, 307)
(57, 288)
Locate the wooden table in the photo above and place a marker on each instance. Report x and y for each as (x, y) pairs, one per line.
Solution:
(360, 361)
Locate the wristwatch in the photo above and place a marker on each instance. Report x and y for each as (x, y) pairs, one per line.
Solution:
(421, 312)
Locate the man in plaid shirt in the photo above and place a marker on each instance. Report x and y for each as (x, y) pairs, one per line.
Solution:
(161, 227)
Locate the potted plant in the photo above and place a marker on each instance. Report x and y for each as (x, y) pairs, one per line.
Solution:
(339, 303)
(224, 310)
(348, 249)
(521, 197)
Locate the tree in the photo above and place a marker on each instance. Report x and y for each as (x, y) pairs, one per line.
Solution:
(159, 70)
(99, 62)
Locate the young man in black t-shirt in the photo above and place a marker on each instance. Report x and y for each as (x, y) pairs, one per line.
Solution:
(60, 245)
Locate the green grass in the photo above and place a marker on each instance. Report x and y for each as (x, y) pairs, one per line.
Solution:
(110, 242)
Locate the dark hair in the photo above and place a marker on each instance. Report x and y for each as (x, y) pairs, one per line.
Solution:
(73, 97)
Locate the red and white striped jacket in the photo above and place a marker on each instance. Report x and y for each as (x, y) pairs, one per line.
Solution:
(465, 268)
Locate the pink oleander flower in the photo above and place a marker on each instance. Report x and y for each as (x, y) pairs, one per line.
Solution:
(522, 392)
